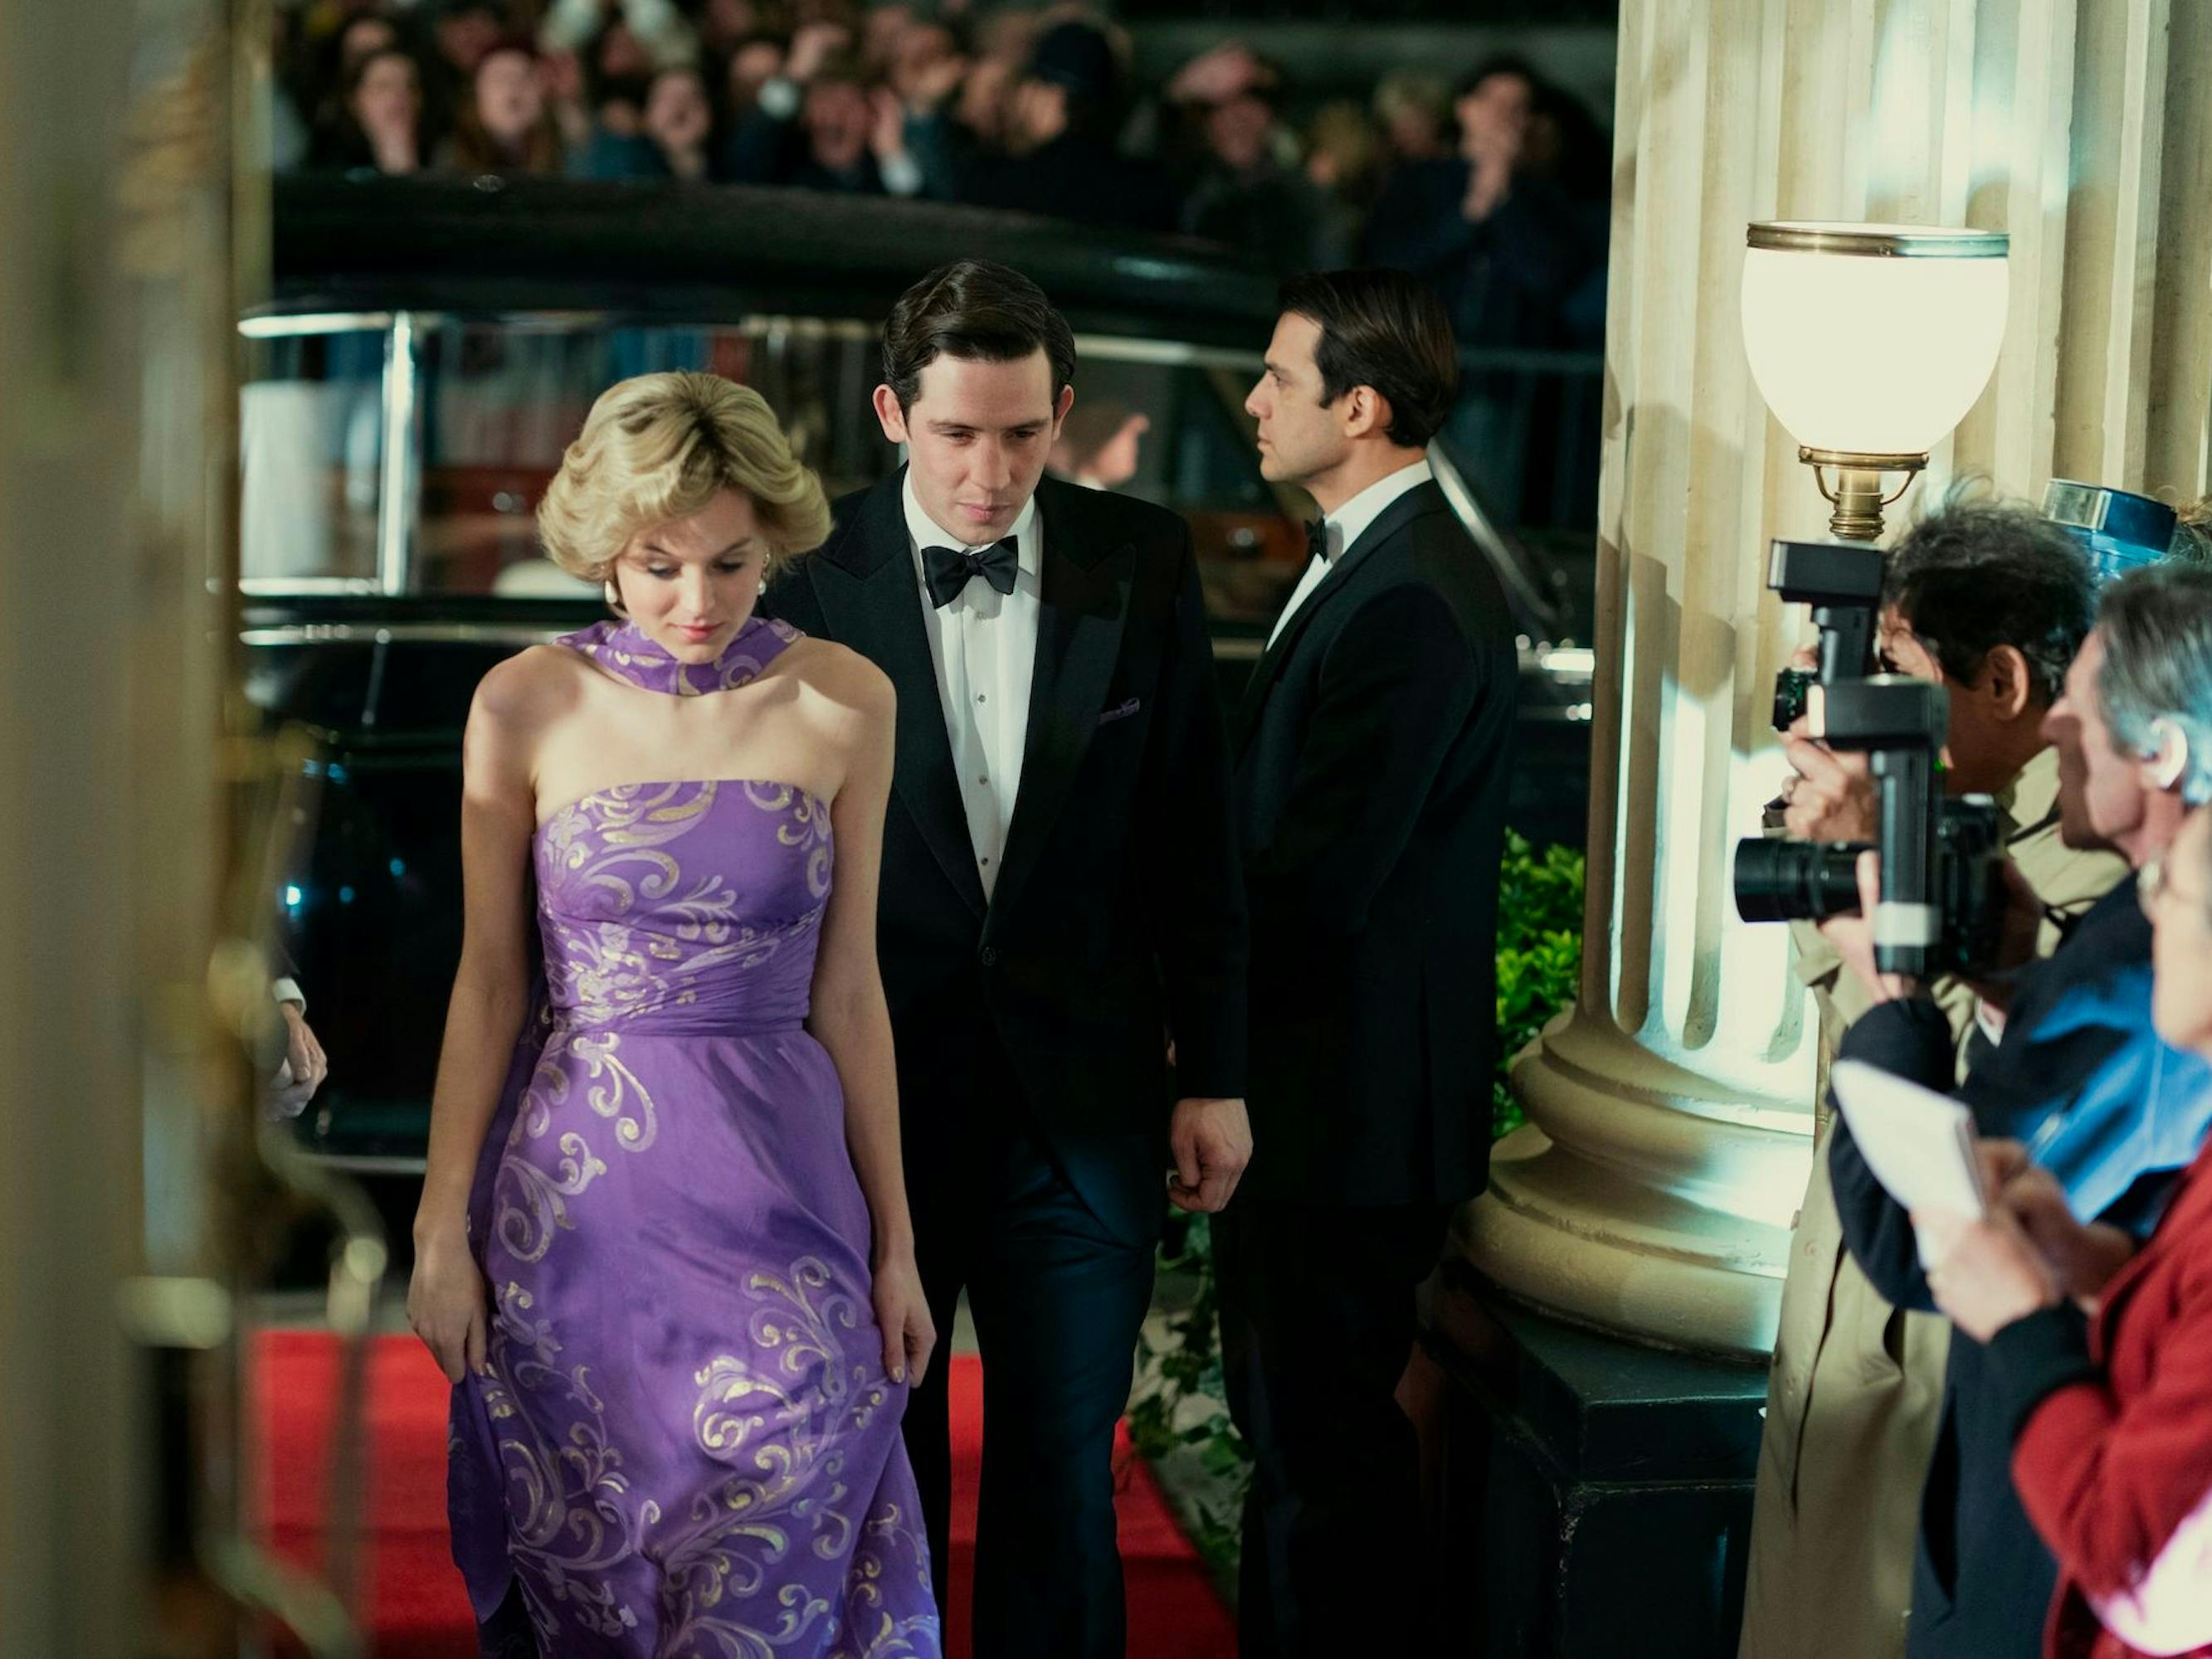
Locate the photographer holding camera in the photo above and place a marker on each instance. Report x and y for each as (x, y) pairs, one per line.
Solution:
(2077, 1074)
(1991, 602)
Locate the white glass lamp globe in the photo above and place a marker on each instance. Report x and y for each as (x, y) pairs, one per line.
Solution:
(1872, 339)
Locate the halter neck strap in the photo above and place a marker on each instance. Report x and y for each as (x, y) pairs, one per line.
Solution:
(623, 650)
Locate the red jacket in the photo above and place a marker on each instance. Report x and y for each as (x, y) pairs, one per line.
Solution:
(2114, 1446)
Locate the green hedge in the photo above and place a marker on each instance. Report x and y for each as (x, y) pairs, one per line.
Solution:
(1539, 954)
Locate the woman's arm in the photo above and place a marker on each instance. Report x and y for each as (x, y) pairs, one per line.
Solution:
(446, 1299)
(850, 1017)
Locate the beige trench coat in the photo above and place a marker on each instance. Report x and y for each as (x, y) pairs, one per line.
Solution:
(1856, 1385)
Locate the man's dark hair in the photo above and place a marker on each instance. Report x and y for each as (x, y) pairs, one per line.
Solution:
(980, 312)
(1974, 575)
(1386, 330)
(1500, 63)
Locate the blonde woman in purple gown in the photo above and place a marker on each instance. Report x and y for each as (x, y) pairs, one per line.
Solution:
(663, 1248)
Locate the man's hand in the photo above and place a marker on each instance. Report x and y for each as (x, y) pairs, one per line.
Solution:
(1832, 798)
(2082, 1259)
(1987, 1274)
(813, 45)
(310, 1066)
(887, 124)
(927, 89)
(1851, 933)
(1211, 1140)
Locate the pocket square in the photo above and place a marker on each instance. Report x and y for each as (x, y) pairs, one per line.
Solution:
(1122, 713)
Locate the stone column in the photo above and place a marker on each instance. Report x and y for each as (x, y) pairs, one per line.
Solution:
(1652, 1193)
(117, 471)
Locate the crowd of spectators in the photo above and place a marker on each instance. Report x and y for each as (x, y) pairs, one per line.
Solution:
(1492, 187)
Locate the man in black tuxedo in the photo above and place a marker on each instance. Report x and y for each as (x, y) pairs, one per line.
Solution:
(1060, 897)
(1372, 752)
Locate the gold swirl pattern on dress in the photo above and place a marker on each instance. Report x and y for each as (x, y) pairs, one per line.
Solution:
(647, 933)
(782, 1429)
(596, 1050)
(566, 1504)
(526, 1221)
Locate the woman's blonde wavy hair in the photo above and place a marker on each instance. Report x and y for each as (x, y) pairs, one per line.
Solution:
(661, 447)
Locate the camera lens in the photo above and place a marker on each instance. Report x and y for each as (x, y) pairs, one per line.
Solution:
(1795, 880)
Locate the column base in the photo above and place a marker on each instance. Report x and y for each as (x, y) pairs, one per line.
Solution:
(1597, 1492)
(1643, 1201)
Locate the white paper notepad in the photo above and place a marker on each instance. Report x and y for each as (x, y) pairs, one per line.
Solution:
(1920, 1145)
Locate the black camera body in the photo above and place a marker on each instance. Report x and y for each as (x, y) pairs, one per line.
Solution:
(1842, 581)
(1942, 879)
(1780, 880)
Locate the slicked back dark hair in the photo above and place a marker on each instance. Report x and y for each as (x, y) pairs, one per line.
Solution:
(980, 312)
(1386, 330)
(1972, 575)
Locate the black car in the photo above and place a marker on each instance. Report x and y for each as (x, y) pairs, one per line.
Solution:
(431, 349)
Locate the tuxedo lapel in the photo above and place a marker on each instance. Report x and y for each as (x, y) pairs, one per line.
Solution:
(1085, 597)
(871, 602)
(1422, 498)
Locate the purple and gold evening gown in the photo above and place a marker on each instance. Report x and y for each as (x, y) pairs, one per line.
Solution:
(686, 1446)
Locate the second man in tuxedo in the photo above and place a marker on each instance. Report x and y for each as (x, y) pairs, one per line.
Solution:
(1372, 751)
(1061, 896)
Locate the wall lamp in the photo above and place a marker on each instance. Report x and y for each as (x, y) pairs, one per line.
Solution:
(1869, 342)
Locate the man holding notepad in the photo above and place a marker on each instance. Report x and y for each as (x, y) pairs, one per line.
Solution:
(2077, 1074)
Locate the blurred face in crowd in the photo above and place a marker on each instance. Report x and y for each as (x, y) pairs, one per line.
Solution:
(676, 113)
(722, 23)
(2100, 785)
(984, 96)
(977, 436)
(1116, 461)
(509, 98)
(690, 584)
(1036, 114)
(756, 65)
(921, 49)
(1236, 132)
(837, 117)
(1300, 437)
(881, 32)
(388, 99)
(363, 38)
(1982, 749)
(1412, 131)
(1495, 114)
(621, 56)
(2177, 895)
(464, 37)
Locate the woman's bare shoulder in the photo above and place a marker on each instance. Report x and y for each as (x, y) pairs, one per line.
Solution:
(841, 675)
(532, 687)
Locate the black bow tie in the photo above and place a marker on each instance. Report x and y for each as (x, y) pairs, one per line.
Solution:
(948, 569)
(1317, 539)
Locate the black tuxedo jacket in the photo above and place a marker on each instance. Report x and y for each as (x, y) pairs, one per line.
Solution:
(1372, 750)
(1118, 915)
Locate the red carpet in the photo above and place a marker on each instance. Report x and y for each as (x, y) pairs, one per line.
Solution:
(419, 1610)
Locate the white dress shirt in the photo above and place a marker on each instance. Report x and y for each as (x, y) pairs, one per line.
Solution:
(1346, 526)
(984, 645)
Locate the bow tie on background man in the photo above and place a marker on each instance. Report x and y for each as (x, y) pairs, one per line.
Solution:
(949, 569)
(1317, 539)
